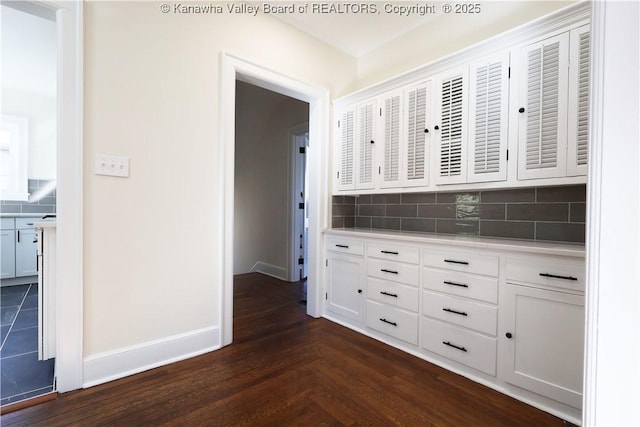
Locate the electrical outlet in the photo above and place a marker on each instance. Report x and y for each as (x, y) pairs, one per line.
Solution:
(112, 165)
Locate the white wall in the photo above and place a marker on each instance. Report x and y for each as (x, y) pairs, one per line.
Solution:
(262, 175)
(151, 93)
(447, 34)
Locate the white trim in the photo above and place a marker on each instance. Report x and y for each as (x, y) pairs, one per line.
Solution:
(111, 365)
(292, 259)
(270, 270)
(233, 68)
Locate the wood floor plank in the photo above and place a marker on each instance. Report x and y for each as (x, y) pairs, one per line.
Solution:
(285, 368)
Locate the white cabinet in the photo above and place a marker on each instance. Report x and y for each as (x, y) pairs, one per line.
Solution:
(542, 108)
(345, 150)
(26, 247)
(391, 115)
(345, 281)
(488, 119)
(578, 114)
(7, 249)
(451, 126)
(418, 107)
(544, 342)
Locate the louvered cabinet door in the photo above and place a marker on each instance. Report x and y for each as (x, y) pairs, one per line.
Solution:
(418, 120)
(488, 119)
(391, 134)
(345, 150)
(542, 109)
(365, 145)
(450, 129)
(578, 121)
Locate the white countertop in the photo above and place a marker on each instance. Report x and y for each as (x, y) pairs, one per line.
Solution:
(45, 223)
(512, 245)
(24, 215)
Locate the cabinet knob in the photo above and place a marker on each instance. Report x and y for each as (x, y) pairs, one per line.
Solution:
(372, 141)
(521, 110)
(509, 335)
(426, 131)
(359, 291)
(436, 127)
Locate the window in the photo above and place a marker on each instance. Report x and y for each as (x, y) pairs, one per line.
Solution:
(13, 158)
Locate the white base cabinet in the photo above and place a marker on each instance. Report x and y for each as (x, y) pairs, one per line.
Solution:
(504, 314)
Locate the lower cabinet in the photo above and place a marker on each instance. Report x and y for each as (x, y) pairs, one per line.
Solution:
(345, 285)
(511, 319)
(19, 247)
(544, 342)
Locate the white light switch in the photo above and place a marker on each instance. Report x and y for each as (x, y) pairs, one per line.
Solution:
(112, 165)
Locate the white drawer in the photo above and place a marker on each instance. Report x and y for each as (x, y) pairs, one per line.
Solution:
(472, 315)
(472, 286)
(395, 271)
(7, 224)
(23, 223)
(466, 347)
(392, 293)
(345, 244)
(393, 321)
(393, 252)
(555, 272)
(467, 262)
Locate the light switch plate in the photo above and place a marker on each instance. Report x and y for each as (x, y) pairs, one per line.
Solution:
(112, 165)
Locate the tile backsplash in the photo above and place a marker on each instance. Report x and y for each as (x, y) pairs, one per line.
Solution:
(46, 205)
(537, 213)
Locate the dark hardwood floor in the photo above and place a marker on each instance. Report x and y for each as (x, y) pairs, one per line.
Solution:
(285, 368)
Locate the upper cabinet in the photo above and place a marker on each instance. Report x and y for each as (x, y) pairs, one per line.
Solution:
(542, 125)
(488, 119)
(578, 120)
(451, 126)
(512, 112)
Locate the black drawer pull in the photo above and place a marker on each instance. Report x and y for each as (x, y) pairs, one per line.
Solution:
(454, 346)
(461, 313)
(388, 294)
(555, 276)
(389, 252)
(453, 261)
(462, 285)
(390, 323)
(342, 246)
(384, 270)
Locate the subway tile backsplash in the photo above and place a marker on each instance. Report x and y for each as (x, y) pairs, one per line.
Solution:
(46, 205)
(541, 213)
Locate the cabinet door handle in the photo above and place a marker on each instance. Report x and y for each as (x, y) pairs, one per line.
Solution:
(389, 322)
(342, 246)
(389, 252)
(521, 110)
(384, 270)
(461, 313)
(18, 238)
(453, 261)
(454, 346)
(462, 285)
(436, 127)
(555, 276)
(389, 294)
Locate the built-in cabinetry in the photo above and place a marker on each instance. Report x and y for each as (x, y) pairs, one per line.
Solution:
(512, 112)
(508, 314)
(19, 245)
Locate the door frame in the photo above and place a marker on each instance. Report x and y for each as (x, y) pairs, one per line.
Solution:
(234, 68)
(292, 133)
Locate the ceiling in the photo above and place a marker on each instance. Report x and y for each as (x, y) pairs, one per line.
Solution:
(357, 33)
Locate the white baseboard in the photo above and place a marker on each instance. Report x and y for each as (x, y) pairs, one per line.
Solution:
(111, 365)
(270, 270)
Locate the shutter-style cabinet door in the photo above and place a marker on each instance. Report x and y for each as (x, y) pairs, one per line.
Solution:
(419, 130)
(488, 119)
(542, 109)
(345, 150)
(391, 133)
(578, 122)
(365, 145)
(450, 129)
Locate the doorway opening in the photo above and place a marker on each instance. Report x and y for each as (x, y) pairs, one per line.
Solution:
(299, 205)
(234, 69)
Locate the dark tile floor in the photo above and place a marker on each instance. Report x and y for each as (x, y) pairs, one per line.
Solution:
(23, 375)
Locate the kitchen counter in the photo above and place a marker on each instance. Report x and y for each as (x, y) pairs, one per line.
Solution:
(45, 223)
(510, 245)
